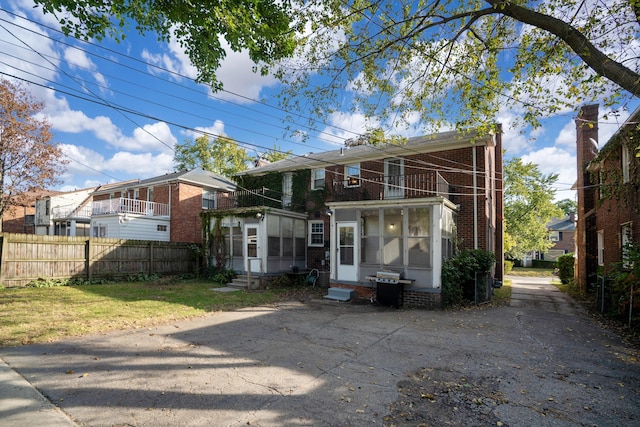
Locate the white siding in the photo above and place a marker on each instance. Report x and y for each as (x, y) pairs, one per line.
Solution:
(132, 228)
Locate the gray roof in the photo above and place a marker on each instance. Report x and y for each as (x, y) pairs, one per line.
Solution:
(198, 177)
(564, 224)
(416, 145)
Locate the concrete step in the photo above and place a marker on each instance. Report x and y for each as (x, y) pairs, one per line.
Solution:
(340, 294)
(242, 282)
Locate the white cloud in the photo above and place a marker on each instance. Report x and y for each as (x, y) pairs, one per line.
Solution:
(513, 140)
(343, 126)
(216, 129)
(153, 137)
(555, 160)
(143, 165)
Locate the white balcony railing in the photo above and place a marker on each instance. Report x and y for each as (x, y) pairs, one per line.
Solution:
(130, 206)
(66, 212)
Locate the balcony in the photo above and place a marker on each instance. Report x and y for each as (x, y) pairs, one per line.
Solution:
(390, 187)
(247, 199)
(71, 212)
(130, 206)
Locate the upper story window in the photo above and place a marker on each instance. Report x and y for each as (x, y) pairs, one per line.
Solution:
(555, 236)
(352, 175)
(287, 189)
(626, 163)
(208, 199)
(317, 179)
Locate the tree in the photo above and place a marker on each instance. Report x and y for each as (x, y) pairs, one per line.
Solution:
(457, 62)
(261, 27)
(28, 161)
(450, 62)
(568, 206)
(528, 207)
(220, 155)
(275, 154)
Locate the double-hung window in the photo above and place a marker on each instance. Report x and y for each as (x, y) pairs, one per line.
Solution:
(317, 179)
(352, 175)
(316, 233)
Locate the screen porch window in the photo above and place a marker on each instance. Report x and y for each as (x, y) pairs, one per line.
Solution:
(352, 174)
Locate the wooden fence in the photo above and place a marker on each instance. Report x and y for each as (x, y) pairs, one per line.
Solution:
(26, 257)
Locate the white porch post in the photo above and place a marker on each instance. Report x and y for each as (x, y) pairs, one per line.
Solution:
(436, 244)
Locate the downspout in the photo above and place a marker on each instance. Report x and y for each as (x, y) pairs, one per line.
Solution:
(475, 200)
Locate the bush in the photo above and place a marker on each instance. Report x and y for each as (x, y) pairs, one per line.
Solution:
(565, 268)
(542, 263)
(459, 275)
(508, 266)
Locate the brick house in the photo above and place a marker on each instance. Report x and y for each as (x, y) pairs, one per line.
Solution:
(608, 188)
(164, 208)
(360, 209)
(21, 218)
(562, 233)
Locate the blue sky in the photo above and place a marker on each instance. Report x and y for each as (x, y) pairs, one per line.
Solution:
(118, 109)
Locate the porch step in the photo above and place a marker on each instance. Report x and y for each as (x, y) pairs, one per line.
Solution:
(242, 282)
(340, 294)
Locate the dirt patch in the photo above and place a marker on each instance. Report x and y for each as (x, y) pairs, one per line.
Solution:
(434, 397)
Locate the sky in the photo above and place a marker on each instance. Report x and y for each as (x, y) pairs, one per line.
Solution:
(118, 109)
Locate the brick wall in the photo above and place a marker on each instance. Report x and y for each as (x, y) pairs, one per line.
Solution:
(586, 236)
(411, 299)
(186, 205)
(13, 220)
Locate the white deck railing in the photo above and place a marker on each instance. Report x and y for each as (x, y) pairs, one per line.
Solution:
(71, 212)
(130, 206)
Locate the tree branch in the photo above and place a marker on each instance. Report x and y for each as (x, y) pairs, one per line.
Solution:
(591, 55)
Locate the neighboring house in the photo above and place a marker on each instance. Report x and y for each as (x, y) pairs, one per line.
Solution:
(361, 209)
(164, 208)
(561, 232)
(608, 188)
(21, 219)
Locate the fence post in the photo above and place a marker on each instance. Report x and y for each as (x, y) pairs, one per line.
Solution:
(87, 258)
(151, 258)
(3, 252)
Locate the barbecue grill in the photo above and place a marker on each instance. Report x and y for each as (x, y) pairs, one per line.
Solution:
(389, 290)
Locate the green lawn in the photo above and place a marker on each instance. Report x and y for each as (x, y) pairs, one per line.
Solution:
(34, 315)
(531, 272)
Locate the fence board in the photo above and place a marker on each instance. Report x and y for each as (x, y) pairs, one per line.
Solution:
(27, 257)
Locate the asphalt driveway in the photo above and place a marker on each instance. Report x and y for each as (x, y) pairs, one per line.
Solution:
(541, 361)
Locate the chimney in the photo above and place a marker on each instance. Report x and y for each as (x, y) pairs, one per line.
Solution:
(586, 236)
(572, 216)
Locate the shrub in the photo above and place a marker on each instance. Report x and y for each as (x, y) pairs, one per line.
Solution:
(542, 263)
(459, 274)
(508, 266)
(565, 268)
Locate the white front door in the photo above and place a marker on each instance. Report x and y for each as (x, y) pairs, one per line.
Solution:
(252, 248)
(347, 258)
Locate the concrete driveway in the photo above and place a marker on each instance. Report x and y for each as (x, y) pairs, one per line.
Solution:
(326, 363)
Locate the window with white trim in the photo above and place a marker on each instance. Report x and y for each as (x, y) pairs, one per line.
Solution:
(601, 247)
(352, 175)
(625, 241)
(317, 179)
(316, 233)
(626, 163)
(208, 199)
(287, 189)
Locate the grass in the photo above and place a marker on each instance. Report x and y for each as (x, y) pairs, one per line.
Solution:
(531, 272)
(502, 295)
(37, 315)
